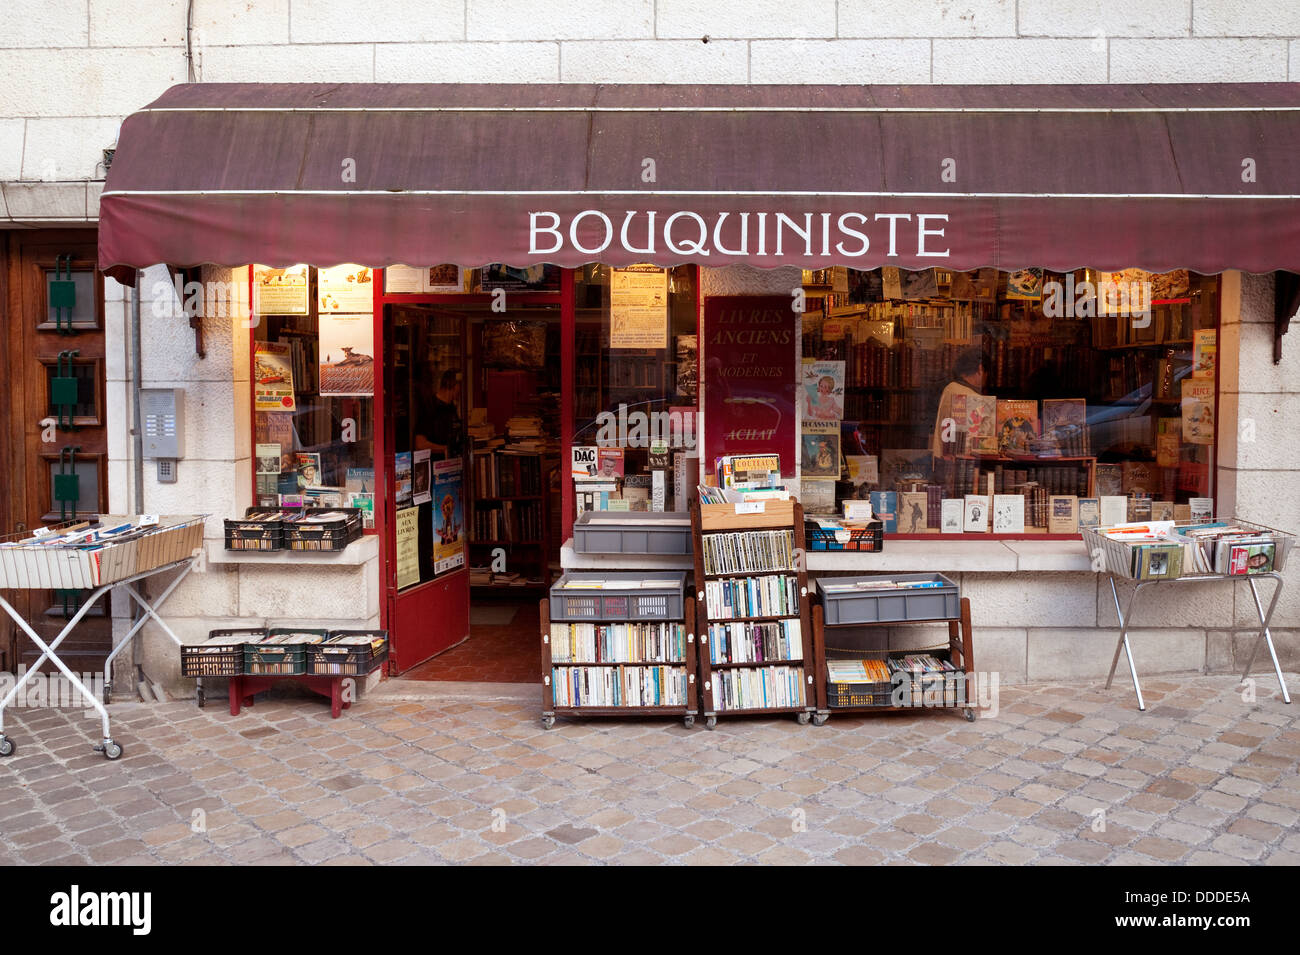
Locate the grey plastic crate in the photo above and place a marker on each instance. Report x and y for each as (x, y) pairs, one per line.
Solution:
(661, 602)
(890, 606)
(634, 532)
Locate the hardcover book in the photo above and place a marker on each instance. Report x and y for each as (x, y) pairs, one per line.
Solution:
(1017, 424)
(981, 424)
(884, 504)
(951, 522)
(911, 512)
(1008, 514)
(976, 517)
(1114, 510)
(1063, 516)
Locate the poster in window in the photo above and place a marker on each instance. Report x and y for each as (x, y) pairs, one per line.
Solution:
(820, 448)
(421, 477)
(407, 528)
(1203, 353)
(268, 459)
(1025, 284)
(751, 376)
(443, 280)
(273, 368)
(345, 288)
(638, 307)
(448, 517)
(823, 391)
(1198, 410)
(280, 291)
(531, 278)
(347, 354)
(688, 365)
(403, 280)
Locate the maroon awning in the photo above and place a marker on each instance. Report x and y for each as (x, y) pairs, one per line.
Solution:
(1156, 177)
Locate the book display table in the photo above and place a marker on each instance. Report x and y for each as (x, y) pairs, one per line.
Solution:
(96, 565)
(1149, 560)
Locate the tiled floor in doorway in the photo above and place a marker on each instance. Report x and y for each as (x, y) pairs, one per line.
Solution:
(502, 647)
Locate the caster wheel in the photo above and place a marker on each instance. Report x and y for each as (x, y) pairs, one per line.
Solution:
(548, 722)
(803, 718)
(6, 746)
(689, 721)
(112, 750)
(711, 722)
(820, 719)
(970, 716)
(108, 693)
(201, 697)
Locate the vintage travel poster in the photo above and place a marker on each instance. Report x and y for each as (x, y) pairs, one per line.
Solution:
(751, 375)
(273, 368)
(347, 354)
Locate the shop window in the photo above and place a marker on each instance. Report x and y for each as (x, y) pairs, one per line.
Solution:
(1086, 385)
(313, 387)
(636, 383)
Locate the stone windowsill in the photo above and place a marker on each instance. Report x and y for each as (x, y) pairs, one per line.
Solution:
(359, 552)
(969, 556)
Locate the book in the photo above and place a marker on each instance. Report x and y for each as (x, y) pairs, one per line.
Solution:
(1201, 508)
(911, 512)
(951, 520)
(1114, 510)
(1110, 480)
(1158, 561)
(820, 449)
(1162, 511)
(750, 470)
(1251, 558)
(1008, 514)
(609, 463)
(1066, 421)
(884, 504)
(1169, 437)
(1198, 410)
(981, 424)
(1204, 353)
(976, 514)
(1136, 477)
(1063, 517)
(1017, 425)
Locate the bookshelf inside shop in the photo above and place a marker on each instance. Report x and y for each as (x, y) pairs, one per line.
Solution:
(751, 591)
(855, 680)
(618, 645)
(511, 511)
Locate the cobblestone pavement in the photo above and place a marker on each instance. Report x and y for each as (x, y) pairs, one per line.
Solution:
(1062, 774)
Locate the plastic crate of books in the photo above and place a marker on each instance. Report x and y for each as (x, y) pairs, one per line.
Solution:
(222, 654)
(348, 653)
(925, 678)
(858, 682)
(633, 532)
(631, 595)
(262, 529)
(828, 536)
(892, 598)
(282, 652)
(323, 528)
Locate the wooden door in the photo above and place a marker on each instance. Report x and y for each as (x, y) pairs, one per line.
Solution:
(53, 456)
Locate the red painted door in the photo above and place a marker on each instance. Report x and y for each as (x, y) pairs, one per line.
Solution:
(428, 604)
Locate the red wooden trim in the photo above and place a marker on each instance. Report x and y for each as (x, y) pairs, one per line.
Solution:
(383, 519)
(252, 374)
(568, 348)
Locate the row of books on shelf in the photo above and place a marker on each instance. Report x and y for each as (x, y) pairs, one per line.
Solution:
(762, 688)
(507, 474)
(748, 552)
(647, 642)
(514, 521)
(768, 642)
(768, 596)
(620, 686)
(487, 577)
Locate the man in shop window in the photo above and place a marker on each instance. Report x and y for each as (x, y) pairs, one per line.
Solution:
(439, 427)
(969, 376)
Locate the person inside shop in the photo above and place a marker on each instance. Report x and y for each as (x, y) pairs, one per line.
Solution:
(439, 427)
(969, 375)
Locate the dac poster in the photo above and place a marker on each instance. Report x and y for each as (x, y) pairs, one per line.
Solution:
(751, 376)
(448, 517)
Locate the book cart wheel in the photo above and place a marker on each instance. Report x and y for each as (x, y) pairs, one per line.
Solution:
(970, 715)
(110, 749)
(689, 720)
(6, 746)
(548, 722)
(710, 722)
(201, 695)
(108, 693)
(803, 718)
(819, 719)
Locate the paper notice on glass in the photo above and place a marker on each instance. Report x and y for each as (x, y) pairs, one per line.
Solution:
(347, 354)
(448, 517)
(280, 291)
(273, 371)
(421, 478)
(638, 307)
(408, 547)
(403, 280)
(345, 288)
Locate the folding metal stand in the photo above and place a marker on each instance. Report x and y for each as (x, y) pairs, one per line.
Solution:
(108, 746)
(1265, 617)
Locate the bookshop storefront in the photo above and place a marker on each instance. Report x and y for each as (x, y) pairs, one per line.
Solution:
(920, 298)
